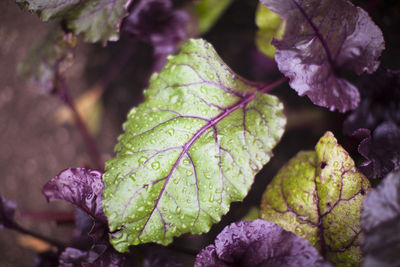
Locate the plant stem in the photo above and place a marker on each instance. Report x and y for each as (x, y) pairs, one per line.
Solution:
(272, 85)
(87, 138)
(52, 242)
(58, 217)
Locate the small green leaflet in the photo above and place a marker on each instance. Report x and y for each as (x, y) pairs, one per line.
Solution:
(192, 148)
(270, 26)
(96, 20)
(318, 195)
(208, 12)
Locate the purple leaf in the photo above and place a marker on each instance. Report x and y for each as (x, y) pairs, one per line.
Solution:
(7, 210)
(381, 149)
(82, 188)
(159, 24)
(259, 243)
(381, 223)
(109, 258)
(79, 186)
(380, 101)
(72, 257)
(321, 37)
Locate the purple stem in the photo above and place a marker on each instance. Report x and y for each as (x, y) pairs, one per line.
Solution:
(58, 217)
(273, 85)
(116, 67)
(87, 138)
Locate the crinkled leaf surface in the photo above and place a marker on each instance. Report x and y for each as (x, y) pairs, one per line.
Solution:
(96, 20)
(208, 12)
(381, 149)
(318, 195)
(259, 243)
(270, 26)
(52, 54)
(378, 116)
(7, 210)
(82, 188)
(381, 223)
(189, 150)
(320, 37)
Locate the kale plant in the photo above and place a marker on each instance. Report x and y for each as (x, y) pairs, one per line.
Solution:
(202, 133)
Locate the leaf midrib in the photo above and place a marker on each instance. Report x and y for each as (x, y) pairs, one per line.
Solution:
(243, 102)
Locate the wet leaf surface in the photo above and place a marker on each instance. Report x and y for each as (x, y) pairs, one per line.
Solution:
(258, 243)
(205, 135)
(82, 188)
(321, 37)
(318, 195)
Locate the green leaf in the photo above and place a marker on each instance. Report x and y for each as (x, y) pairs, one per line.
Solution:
(270, 26)
(192, 148)
(96, 20)
(51, 54)
(318, 195)
(208, 12)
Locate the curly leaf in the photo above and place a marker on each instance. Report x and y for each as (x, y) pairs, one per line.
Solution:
(320, 37)
(381, 149)
(52, 54)
(270, 26)
(189, 150)
(82, 188)
(96, 20)
(318, 195)
(259, 243)
(381, 223)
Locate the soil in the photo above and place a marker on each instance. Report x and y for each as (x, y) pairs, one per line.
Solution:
(34, 147)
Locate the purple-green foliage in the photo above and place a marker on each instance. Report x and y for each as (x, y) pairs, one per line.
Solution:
(323, 41)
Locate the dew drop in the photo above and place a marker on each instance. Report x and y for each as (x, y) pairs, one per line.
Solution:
(171, 132)
(155, 165)
(299, 231)
(336, 164)
(142, 160)
(189, 173)
(186, 162)
(178, 210)
(141, 208)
